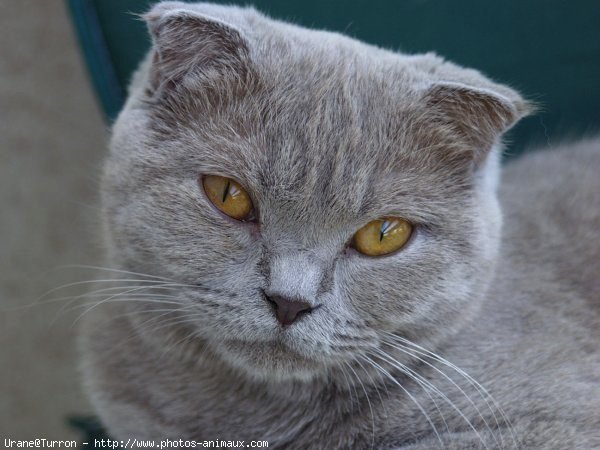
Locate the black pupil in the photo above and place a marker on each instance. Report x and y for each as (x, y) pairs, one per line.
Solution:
(226, 191)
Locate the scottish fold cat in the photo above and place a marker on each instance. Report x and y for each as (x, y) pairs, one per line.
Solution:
(311, 247)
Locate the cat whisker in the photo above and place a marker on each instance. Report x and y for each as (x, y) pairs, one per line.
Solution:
(166, 311)
(126, 300)
(136, 295)
(408, 351)
(147, 284)
(374, 384)
(368, 403)
(166, 300)
(425, 384)
(480, 389)
(110, 269)
(413, 399)
(104, 292)
(108, 280)
(182, 341)
(161, 324)
(99, 292)
(205, 348)
(132, 294)
(42, 300)
(109, 298)
(353, 401)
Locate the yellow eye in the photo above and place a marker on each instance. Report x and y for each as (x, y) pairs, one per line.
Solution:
(382, 236)
(228, 196)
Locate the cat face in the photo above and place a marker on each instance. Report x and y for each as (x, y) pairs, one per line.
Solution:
(322, 135)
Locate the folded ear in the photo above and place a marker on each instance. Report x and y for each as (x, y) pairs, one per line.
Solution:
(191, 46)
(478, 116)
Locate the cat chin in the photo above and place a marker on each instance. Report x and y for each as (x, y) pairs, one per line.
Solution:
(270, 361)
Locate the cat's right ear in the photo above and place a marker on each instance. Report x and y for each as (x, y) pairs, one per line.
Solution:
(190, 47)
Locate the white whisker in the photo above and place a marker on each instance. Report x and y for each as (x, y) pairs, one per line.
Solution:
(110, 269)
(407, 351)
(350, 387)
(414, 375)
(106, 300)
(187, 337)
(163, 324)
(423, 384)
(414, 400)
(97, 293)
(368, 403)
(480, 389)
(128, 299)
(374, 384)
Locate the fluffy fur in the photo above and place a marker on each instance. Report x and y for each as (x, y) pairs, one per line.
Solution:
(327, 134)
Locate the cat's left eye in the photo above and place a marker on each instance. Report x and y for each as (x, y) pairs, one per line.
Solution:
(382, 236)
(229, 197)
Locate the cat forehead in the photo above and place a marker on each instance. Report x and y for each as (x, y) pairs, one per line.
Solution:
(276, 98)
(332, 141)
(313, 116)
(308, 97)
(344, 172)
(318, 81)
(290, 119)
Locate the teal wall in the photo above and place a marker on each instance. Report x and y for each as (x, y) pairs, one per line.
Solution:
(548, 49)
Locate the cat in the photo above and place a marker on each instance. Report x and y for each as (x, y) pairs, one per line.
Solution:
(312, 247)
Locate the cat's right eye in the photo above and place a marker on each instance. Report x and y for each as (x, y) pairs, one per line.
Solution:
(228, 196)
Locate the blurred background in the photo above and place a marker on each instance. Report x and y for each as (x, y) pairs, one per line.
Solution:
(64, 67)
(52, 136)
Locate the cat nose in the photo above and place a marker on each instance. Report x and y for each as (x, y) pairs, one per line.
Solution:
(288, 310)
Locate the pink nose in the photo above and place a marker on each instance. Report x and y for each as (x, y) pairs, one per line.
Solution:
(287, 310)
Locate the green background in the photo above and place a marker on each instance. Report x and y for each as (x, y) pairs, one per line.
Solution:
(549, 50)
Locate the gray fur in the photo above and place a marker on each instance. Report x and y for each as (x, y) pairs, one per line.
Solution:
(327, 133)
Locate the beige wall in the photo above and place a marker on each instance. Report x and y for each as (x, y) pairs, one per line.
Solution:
(51, 141)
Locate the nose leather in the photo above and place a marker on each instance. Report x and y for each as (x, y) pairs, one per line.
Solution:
(287, 310)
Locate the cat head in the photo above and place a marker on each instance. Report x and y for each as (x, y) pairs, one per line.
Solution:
(322, 136)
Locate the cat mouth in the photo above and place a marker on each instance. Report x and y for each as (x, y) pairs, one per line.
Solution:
(268, 358)
(276, 347)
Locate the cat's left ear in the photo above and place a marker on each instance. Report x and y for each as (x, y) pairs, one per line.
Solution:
(477, 116)
(190, 46)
